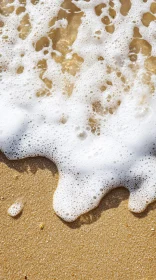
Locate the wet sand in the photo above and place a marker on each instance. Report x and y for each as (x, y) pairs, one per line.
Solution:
(108, 243)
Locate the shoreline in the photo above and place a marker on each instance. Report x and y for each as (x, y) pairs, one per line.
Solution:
(109, 242)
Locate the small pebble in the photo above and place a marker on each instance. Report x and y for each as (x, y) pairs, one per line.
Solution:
(42, 226)
(152, 229)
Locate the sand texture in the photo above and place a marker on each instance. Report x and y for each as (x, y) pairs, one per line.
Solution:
(108, 243)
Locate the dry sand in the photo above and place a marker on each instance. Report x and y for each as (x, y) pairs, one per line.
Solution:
(108, 243)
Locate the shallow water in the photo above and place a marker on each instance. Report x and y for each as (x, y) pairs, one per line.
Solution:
(78, 87)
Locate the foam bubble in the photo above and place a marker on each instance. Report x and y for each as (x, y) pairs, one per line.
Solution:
(15, 209)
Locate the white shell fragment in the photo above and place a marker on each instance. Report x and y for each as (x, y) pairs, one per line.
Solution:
(15, 209)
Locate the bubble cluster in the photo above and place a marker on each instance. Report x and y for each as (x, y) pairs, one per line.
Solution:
(77, 85)
(15, 209)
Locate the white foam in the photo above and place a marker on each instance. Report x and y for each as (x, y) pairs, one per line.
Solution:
(16, 208)
(121, 150)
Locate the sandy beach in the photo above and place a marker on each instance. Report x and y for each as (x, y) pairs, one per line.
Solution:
(108, 243)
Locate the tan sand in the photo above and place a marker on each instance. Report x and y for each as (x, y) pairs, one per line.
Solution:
(108, 243)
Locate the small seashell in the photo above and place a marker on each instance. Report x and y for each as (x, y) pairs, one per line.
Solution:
(15, 209)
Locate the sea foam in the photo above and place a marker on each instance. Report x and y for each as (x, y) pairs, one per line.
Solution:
(77, 85)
